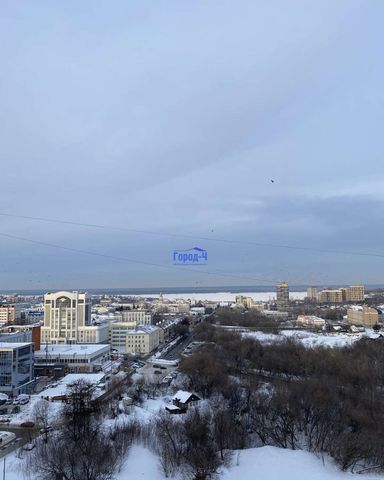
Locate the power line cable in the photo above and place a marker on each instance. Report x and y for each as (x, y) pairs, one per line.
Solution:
(129, 260)
(196, 237)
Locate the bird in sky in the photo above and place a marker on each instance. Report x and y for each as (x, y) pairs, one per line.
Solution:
(272, 181)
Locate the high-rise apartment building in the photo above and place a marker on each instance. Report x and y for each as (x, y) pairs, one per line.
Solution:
(282, 296)
(64, 313)
(355, 293)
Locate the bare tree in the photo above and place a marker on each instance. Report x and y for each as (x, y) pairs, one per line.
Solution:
(42, 416)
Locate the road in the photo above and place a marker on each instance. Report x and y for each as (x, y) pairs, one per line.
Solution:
(175, 352)
(23, 436)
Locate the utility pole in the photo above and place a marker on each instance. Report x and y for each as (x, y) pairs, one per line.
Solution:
(4, 470)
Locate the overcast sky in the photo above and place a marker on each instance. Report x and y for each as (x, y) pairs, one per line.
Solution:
(174, 117)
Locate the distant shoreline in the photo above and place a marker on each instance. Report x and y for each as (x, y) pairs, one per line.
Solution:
(174, 290)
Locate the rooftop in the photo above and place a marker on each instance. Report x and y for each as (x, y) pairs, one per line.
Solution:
(5, 345)
(70, 349)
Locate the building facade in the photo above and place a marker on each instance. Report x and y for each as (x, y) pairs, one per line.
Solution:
(331, 296)
(140, 317)
(312, 293)
(363, 316)
(142, 341)
(64, 313)
(282, 296)
(16, 368)
(9, 314)
(355, 293)
(71, 358)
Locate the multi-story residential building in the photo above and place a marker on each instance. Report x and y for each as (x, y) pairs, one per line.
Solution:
(140, 317)
(9, 314)
(331, 296)
(16, 367)
(282, 296)
(247, 302)
(143, 340)
(120, 331)
(355, 293)
(71, 358)
(312, 293)
(363, 316)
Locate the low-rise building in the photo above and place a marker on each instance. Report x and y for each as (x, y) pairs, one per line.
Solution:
(16, 367)
(74, 358)
(310, 321)
(142, 340)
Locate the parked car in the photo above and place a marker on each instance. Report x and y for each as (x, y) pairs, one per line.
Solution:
(16, 402)
(163, 368)
(156, 366)
(158, 372)
(4, 419)
(27, 424)
(8, 402)
(24, 401)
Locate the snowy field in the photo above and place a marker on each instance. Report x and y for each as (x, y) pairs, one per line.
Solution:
(266, 463)
(310, 339)
(224, 296)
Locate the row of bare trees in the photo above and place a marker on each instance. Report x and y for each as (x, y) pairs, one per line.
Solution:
(197, 444)
(321, 399)
(79, 448)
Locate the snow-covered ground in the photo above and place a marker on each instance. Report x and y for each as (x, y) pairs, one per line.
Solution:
(267, 463)
(271, 463)
(224, 296)
(311, 339)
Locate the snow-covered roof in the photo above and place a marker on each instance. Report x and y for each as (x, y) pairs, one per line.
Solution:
(5, 345)
(71, 349)
(182, 396)
(61, 388)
